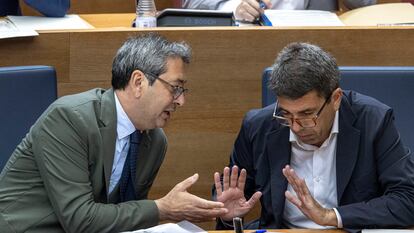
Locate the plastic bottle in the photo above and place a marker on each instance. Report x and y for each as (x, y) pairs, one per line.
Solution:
(146, 13)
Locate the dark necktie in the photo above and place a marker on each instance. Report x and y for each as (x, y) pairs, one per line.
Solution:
(127, 180)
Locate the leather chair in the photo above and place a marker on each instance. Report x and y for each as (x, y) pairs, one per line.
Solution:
(25, 92)
(393, 86)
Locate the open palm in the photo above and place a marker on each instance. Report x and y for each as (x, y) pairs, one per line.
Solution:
(231, 193)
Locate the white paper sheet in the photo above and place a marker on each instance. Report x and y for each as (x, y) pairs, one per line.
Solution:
(8, 30)
(302, 18)
(181, 227)
(49, 23)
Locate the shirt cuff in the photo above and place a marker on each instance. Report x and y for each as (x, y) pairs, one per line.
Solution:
(230, 5)
(338, 218)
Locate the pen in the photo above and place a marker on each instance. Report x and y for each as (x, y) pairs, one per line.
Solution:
(262, 4)
(260, 231)
(263, 20)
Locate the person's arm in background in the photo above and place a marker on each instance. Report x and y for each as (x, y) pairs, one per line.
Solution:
(352, 4)
(203, 4)
(245, 10)
(50, 8)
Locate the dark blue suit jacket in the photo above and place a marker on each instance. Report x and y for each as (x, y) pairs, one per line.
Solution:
(51, 8)
(375, 172)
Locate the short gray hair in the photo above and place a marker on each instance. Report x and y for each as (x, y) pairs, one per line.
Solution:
(301, 68)
(147, 53)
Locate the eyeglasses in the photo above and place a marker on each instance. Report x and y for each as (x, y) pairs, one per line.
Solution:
(175, 90)
(308, 122)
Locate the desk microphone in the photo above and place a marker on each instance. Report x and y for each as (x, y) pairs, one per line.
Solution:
(238, 225)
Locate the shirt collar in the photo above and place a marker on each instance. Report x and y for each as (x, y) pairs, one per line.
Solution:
(124, 125)
(334, 131)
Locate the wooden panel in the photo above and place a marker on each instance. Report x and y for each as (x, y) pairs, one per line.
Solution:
(103, 21)
(48, 49)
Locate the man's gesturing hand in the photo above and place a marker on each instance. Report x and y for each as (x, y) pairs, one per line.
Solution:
(305, 202)
(231, 193)
(179, 205)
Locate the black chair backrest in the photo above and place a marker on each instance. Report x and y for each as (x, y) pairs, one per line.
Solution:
(25, 92)
(393, 86)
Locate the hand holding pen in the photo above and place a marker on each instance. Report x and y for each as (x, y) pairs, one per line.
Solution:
(250, 10)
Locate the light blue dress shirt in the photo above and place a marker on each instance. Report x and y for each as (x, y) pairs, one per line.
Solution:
(124, 128)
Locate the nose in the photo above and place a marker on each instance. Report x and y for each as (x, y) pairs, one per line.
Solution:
(180, 100)
(295, 127)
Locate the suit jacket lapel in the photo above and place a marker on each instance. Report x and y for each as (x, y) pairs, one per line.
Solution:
(278, 151)
(108, 132)
(347, 147)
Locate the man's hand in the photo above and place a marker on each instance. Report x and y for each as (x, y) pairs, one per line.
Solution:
(180, 205)
(249, 10)
(232, 193)
(305, 202)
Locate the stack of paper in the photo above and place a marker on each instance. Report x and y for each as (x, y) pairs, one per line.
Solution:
(49, 23)
(8, 30)
(19, 26)
(302, 18)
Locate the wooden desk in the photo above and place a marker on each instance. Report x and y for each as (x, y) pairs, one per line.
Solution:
(224, 78)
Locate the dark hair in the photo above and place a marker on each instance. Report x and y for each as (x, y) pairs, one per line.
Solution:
(147, 53)
(301, 68)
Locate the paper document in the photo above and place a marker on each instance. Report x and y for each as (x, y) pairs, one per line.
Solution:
(49, 23)
(181, 227)
(8, 30)
(302, 18)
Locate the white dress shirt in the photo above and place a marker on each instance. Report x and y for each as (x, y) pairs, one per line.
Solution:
(231, 5)
(124, 128)
(317, 165)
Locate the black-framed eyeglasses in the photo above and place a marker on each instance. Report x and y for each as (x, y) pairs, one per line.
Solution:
(175, 90)
(308, 122)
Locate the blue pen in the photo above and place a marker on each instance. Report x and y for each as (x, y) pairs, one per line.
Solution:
(260, 231)
(263, 18)
(262, 5)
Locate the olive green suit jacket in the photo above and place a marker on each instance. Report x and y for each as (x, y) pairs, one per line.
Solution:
(58, 177)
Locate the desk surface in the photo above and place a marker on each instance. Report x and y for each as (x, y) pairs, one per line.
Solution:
(287, 231)
(224, 77)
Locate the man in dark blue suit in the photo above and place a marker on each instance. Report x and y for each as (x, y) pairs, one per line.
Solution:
(50, 8)
(320, 157)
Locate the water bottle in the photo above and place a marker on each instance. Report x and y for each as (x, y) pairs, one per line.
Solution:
(146, 12)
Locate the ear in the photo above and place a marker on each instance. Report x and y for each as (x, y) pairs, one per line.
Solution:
(337, 97)
(137, 83)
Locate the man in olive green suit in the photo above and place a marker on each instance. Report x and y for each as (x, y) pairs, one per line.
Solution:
(65, 176)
